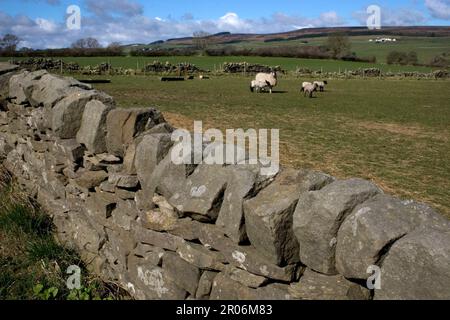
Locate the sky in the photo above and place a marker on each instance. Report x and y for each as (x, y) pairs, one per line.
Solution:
(43, 23)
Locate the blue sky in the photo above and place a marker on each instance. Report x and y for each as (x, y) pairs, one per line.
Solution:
(41, 23)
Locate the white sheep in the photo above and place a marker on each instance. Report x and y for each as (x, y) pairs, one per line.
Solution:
(305, 84)
(309, 89)
(258, 86)
(321, 85)
(271, 79)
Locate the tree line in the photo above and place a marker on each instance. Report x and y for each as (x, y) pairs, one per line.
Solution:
(336, 47)
(85, 47)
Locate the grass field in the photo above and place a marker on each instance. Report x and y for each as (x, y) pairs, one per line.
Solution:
(212, 63)
(393, 132)
(426, 47)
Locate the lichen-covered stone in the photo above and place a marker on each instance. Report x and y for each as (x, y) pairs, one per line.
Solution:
(319, 215)
(269, 214)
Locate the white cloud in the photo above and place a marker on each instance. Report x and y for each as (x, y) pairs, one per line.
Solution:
(103, 22)
(439, 9)
(46, 25)
(232, 20)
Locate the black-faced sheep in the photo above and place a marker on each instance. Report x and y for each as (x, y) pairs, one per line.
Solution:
(309, 89)
(304, 84)
(271, 79)
(321, 85)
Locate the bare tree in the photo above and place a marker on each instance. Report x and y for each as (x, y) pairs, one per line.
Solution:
(86, 43)
(338, 44)
(201, 40)
(114, 48)
(9, 43)
(114, 45)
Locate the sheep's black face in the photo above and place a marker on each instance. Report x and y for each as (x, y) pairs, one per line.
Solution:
(326, 82)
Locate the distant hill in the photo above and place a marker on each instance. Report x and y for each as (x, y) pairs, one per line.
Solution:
(226, 37)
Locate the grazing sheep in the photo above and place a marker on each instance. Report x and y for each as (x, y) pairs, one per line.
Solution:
(271, 79)
(304, 84)
(258, 86)
(309, 89)
(321, 85)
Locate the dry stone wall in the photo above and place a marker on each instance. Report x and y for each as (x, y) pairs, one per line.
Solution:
(105, 176)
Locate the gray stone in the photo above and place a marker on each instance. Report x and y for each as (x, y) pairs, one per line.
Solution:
(5, 148)
(39, 146)
(417, 267)
(125, 194)
(268, 216)
(92, 131)
(118, 247)
(319, 215)
(161, 128)
(205, 284)
(125, 214)
(187, 229)
(129, 158)
(167, 179)
(21, 83)
(50, 89)
(427, 216)
(102, 161)
(125, 124)
(184, 274)
(152, 254)
(202, 192)
(100, 206)
(4, 84)
(91, 179)
(107, 187)
(151, 282)
(246, 278)
(273, 291)
(199, 256)
(6, 67)
(244, 257)
(85, 235)
(50, 203)
(316, 286)
(149, 153)
(368, 232)
(67, 113)
(40, 119)
(225, 288)
(161, 218)
(157, 239)
(71, 149)
(123, 180)
(231, 215)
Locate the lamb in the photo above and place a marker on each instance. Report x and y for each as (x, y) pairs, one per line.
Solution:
(271, 79)
(309, 89)
(321, 85)
(258, 86)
